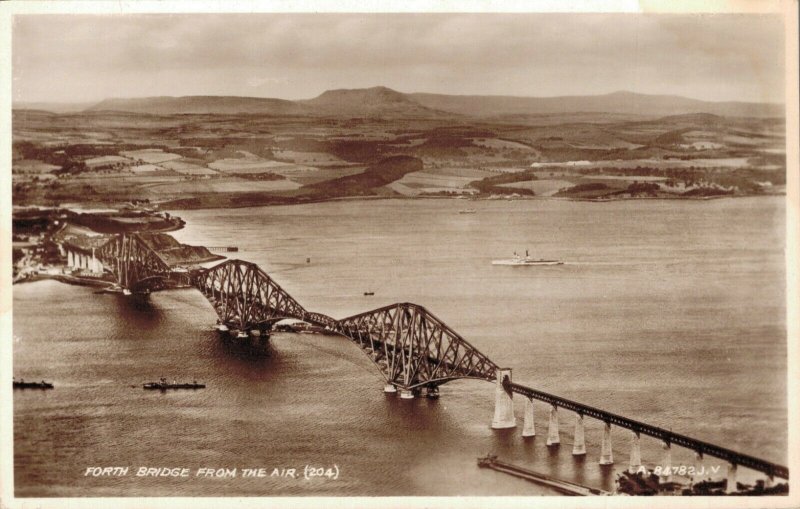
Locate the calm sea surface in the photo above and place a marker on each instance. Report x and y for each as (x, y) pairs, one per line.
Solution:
(670, 312)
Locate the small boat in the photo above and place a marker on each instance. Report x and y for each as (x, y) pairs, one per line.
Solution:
(22, 384)
(163, 385)
(467, 211)
(526, 260)
(369, 293)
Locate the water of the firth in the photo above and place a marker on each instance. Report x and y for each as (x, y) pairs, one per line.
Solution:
(670, 312)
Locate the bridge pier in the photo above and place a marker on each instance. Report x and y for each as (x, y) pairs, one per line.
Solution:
(635, 461)
(730, 486)
(528, 427)
(553, 437)
(503, 402)
(579, 447)
(606, 452)
(406, 394)
(96, 266)
(389, 389)
(666, 475)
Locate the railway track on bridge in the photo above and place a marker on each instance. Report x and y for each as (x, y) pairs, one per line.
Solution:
(666, 436)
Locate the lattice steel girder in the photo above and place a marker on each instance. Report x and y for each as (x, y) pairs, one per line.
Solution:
(132, 260)
(245, 297)
(413, 348)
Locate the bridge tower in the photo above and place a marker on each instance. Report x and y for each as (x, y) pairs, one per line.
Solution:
(136, 265)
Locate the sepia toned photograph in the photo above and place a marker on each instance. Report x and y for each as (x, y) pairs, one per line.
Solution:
(399, 254)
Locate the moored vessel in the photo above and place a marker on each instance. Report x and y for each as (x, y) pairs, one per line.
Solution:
(526, 260)
(163, 385)
(22, 384)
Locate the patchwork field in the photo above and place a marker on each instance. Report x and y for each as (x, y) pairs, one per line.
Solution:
(633, 178)
(224, 185)
(32, 166)
(424, 179)
(308, 175)
(153, 156)
(190, 169)
(541, 187)
(309, 158)
(145, 168)
(106, 160)
(109, 158)
(497, 143)
(246, 165)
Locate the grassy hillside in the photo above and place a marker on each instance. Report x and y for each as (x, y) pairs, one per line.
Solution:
(374, 177)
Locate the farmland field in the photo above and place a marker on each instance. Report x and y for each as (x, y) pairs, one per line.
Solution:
(248, 165)
(308, 175)
(188, 168)
(153, 156)
(541, 187)
(311, 158)
(224, 185)
(424, 179)
(33, 166)
(185, 160)
(97, 161)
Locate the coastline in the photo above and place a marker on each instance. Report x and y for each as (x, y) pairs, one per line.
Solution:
(209, 205)
(66, 279)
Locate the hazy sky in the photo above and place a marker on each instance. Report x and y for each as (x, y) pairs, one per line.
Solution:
(294, 56)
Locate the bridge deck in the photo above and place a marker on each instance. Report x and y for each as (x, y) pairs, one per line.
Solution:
(662, 434)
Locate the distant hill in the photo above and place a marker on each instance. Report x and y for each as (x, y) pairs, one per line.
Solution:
(222, 105)
(53, 107)
(370, 102)
(617, 102)
(384, 102)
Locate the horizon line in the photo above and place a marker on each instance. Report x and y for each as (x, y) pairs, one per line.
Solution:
(97, 101)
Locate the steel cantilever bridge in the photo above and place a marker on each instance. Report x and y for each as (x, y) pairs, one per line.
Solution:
(411, 347)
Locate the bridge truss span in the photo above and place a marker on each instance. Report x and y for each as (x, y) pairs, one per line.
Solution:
(245, 297)
(412, 348)
(135, 264)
